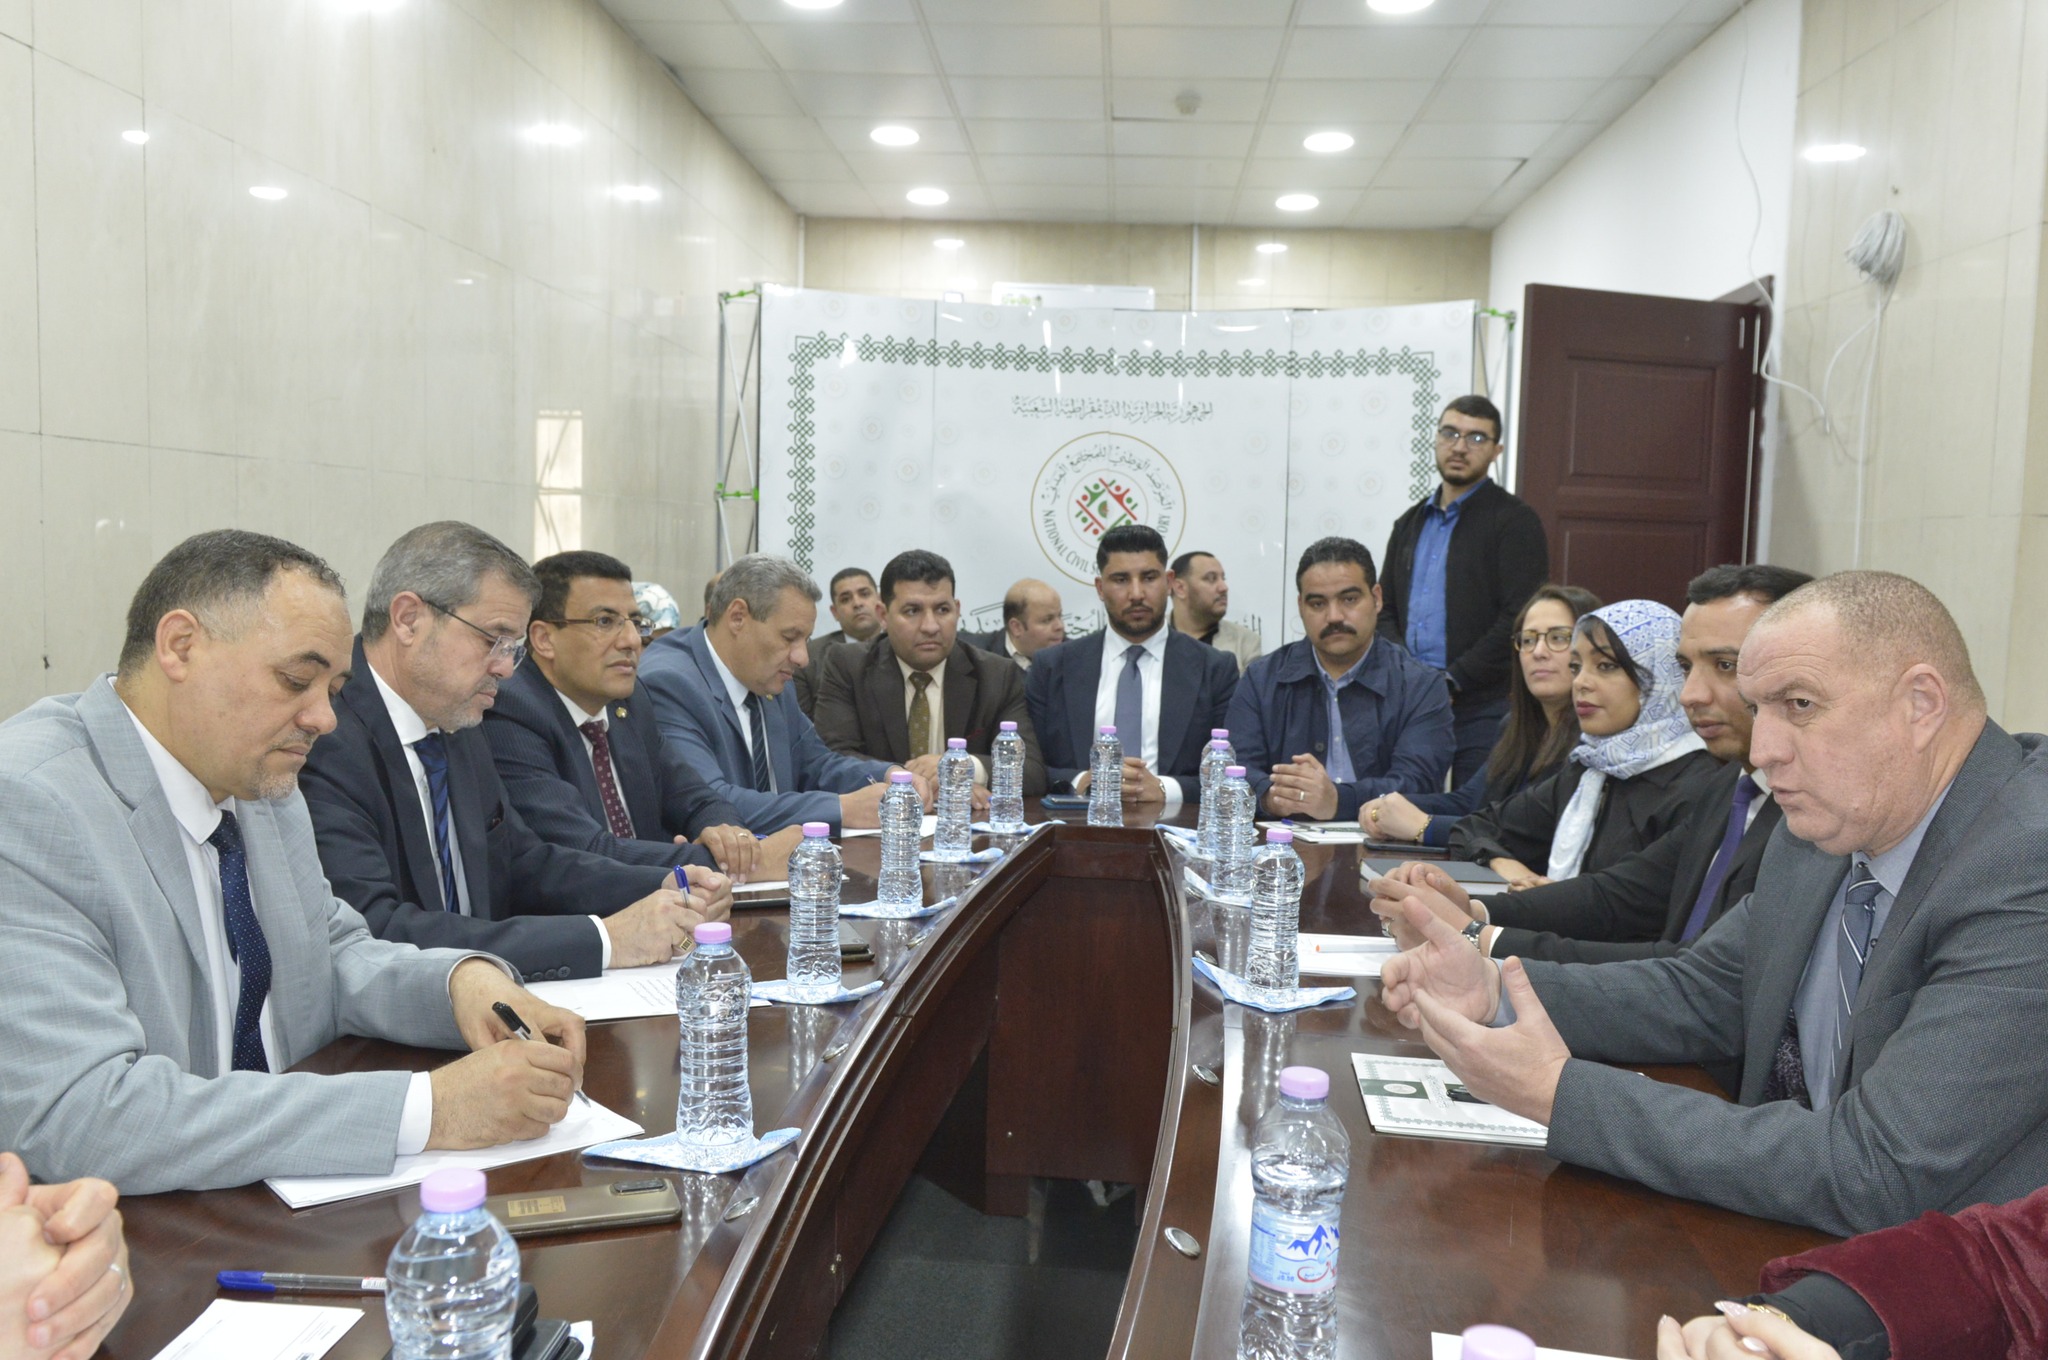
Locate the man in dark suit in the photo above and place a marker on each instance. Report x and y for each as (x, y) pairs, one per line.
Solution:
(1161, 689)
(722, 696)
(578, 748)
(1458, 567)
(901, 696)
(852, 600)
(414, 826)
(1880, 987)
(1658, 901)
(1032, 621)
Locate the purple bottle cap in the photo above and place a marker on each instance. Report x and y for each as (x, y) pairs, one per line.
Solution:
(956, 743)
(1305, 1083)
(1006, 727)
(1219, 745)
(1488, 1342)
(1234, 771)
(452, 1190)
(895, 777)
(817, 829)
(1279, 835)
(713, 932)
(1106, 730)
(1219, 734)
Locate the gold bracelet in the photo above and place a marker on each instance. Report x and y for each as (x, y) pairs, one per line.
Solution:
(1778, 1313)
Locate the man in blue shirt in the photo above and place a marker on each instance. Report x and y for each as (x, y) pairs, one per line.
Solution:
(1342, 716)
(1460, 565)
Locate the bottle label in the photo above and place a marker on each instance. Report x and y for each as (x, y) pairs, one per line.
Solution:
(1293, 1255)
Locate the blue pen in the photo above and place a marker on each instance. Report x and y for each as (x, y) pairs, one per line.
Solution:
(269, 1282)
(682, 884)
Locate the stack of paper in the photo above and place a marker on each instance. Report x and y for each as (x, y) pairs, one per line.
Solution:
(1419, 1098)
(617, 993)
(1321, 833)
(261, 1331)
(927, 829)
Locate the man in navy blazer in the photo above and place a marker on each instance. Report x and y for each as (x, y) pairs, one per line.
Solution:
(1163, 690)
(577, 745)
(722, 696)
(1337, 718)
(414, 827)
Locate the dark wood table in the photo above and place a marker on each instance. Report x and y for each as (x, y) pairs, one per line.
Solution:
(1049, 1025)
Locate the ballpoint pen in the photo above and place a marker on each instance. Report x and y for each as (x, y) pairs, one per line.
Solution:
(273, 1282)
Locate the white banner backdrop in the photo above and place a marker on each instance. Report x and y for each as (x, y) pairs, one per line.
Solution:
(1009, 439)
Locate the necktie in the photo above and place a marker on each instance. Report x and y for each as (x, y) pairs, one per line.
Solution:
(1338, 764)
(757, 724)
(1130, 706)
(1859, 914)
(920, 714)
(433, 754)
(245, 942)
(1724, 858)
(607, 786)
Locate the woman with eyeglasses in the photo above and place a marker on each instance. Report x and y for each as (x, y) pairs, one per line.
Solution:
(1540, 731)
(1636, 769)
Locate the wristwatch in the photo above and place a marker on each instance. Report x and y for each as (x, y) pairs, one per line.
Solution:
(1476, 933)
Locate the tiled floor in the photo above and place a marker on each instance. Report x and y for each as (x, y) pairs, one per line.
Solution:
(944, 1283)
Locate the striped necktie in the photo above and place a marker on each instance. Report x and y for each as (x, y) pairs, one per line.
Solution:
(433, 754)
(757, 726)
(1859, 915)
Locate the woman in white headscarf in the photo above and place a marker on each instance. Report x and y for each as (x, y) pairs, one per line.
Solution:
(1636, 770)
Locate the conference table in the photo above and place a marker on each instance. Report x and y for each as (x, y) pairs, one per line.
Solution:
(1048, 1025)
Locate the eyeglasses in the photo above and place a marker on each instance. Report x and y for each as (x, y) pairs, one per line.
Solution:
(607, 622)
(504, 646)
(1556, 639)
(1474, 439)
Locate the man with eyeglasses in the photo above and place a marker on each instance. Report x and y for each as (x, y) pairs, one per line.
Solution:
(578, 747)
(1459, 566)
(414, 825)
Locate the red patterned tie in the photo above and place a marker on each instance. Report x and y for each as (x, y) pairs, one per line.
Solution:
(607, 786)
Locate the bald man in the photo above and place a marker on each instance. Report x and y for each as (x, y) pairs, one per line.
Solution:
(1882, 987)
(1031, 622)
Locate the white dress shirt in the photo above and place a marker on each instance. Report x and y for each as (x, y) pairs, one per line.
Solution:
(1010, 650)
(411, 728)
(1151, 679)
(604, 724)
(199, 816)
(935, 697)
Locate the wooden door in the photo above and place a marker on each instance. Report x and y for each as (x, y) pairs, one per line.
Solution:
(1637, 437)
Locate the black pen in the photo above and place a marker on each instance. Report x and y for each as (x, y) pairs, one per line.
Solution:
(512, 1020)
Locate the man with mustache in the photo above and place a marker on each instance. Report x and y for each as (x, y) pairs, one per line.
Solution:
(1161, 689)
(414, 824)
(1326, 723)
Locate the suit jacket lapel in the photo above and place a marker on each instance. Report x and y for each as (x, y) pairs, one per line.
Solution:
(286, 925)
(1785, 919)
(1177, 686)
(961, 686)
(469, 807)
(566, 736)
(1083, 678)
(699, 648)
(1702, 840)
(362, 695)
(1991, 764)
(637, 780)
(885, 690)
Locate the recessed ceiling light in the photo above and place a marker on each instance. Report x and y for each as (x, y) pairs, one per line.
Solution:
(1251, 283)
(1826, 152)
(553, 134)
(635, 193)
(928, 198)
(1399, 6)
(1271, 248)
(135, 137)
(890, 134)
(1297, 202)
(1329, 143)
(269, 193)
(813, 4)
(949, 243)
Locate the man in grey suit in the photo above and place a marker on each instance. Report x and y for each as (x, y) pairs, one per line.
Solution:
(1883, 987)
(170, 947)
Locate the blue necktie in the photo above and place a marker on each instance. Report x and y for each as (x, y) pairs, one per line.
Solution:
(246, 944)
(1130, 706)
(757, 727)
(1746, 791)
(433, 754)
(1859, 915)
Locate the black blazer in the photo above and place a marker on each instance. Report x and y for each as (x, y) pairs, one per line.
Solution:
(806, 680)
(1194, 696)
(530, 901)
(861, 699)
(1634, 814)
(544, 766)
(1498, 556)
(991, 641)
(1637, 909)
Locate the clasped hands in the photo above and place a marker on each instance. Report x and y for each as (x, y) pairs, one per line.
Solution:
(63, 1265)
(1442, 986)
(1301, 787)
(1141, 787)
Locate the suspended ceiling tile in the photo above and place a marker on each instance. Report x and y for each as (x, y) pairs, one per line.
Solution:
(857, 49)
(1529, 53)
(832, 94)
(1020, 49)
(1283, 141)
(1193, 54)
(1202, 13)
(1513, 101)
(1223, 101)
(1334, 101)
(1148, 171)
(711, 47)
(1371, 53)
(1516, 140)
(940, 136)
(1424, 172)
(744, 93)
(1045, 170)
(1028, 137)
(1186, 138)
(1049, 97)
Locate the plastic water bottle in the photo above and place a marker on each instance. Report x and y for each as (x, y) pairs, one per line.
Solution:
(1300, 1158)
(1215, 759)
(954, 838)
(1006, 781)
(714, 1103)
(1233, 869)
(1275, 964)
(813, 969)
(1106, 779)
(452, 1283)
(901, 884)
(1488, 1342)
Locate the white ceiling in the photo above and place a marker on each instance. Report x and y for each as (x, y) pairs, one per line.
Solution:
(1064, 110)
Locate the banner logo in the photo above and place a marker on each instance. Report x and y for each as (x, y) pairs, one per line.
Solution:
(1100, 482)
